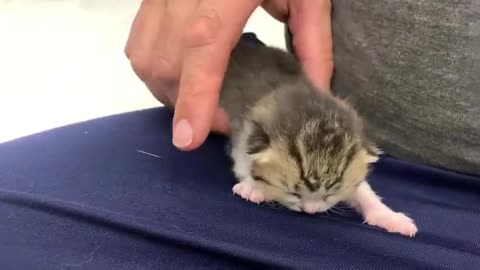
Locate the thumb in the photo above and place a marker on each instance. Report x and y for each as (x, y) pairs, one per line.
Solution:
(209, 42)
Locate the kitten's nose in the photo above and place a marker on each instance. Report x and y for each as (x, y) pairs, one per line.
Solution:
(310, 207)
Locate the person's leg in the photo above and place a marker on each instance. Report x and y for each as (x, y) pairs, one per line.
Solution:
(111, 194)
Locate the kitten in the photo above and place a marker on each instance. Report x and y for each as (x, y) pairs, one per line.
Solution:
(295, 145)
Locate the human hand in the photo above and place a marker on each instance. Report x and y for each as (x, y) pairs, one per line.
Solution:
(310, 24)
(180, 50)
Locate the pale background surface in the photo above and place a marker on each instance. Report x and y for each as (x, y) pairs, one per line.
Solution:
(62, 61)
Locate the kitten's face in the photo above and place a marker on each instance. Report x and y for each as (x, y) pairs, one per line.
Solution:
(303, 178)
(281, 177)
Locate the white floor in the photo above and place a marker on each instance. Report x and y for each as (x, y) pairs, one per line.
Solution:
(62, 61)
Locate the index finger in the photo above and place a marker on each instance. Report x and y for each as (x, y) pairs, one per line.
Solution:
(215, 30)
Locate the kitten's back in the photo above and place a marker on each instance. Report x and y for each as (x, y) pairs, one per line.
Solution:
(253, 72)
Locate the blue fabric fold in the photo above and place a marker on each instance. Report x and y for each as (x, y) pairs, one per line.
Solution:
(113, 193)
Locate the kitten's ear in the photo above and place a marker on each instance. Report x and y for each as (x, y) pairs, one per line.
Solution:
(258, 139)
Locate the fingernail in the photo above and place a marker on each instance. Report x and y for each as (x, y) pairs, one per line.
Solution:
(182, 134)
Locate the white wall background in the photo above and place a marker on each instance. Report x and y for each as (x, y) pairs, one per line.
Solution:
(62, 61)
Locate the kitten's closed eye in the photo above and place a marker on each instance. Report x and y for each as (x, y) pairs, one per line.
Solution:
(261, 179)
(326, 196)
(295, 194)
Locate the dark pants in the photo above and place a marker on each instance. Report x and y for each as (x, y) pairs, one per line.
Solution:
(113, 193)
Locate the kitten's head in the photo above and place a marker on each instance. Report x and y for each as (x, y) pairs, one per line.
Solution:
(310, 159)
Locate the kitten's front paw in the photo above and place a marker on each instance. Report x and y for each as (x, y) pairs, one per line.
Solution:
(247, 190)
(392, 222)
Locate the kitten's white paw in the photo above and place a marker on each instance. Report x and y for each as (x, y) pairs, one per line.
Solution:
(247, 190)
(392, 222)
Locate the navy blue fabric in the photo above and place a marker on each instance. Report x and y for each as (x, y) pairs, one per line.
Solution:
(86, 196)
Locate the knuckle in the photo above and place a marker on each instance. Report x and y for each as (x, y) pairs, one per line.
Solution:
(162, 97)
(204, 29)
(163, 70)
(200, 93)
(148, 69)
(151, 3)
(127, 51)
(194, 97)
(142, 66)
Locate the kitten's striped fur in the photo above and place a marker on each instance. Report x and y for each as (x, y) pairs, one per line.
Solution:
(292, 143)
